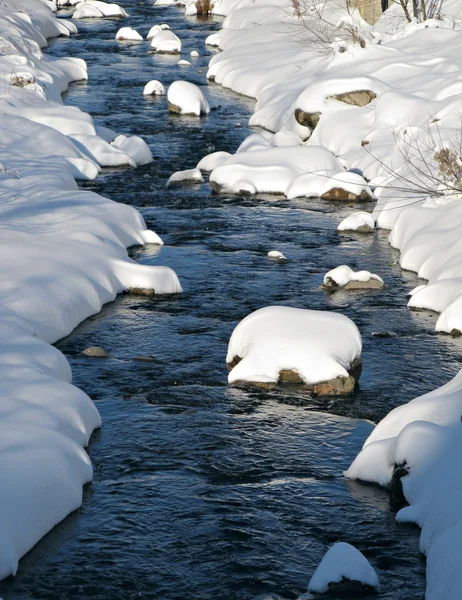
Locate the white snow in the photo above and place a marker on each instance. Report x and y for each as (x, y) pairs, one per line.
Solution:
(155, 29)
(426, 435)
(194, 53)
(128, 34)
(154, 88)
(183, 63)
(344, 274)
(276, 255)
(317, 345)
(188, 98)
(64, 256)
(97, 9)
(357, 220)
(135, 147)
(165, 42)
(186, 176)
(212, 161)
(343, 560)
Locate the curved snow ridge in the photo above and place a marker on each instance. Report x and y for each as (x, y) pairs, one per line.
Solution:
(64, 256)
(317, 345)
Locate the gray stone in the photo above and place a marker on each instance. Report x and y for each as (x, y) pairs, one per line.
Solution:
(372, 284)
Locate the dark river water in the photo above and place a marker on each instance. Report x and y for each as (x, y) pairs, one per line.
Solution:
(201, 491)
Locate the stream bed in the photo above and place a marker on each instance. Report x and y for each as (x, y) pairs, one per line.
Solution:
(202, 491)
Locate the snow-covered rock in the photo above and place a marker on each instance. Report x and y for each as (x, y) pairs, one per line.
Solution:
(135, 147)
(361, 222)
(194, 53)
(344, 570)
(128, 34)
(97, 9)
(189, 176)
(343, 277)
(277, 256)
(186, 98)
(155, 29)
(154, 88)
(165, 42)
(183, 63)
(212, 161)
(281, 344)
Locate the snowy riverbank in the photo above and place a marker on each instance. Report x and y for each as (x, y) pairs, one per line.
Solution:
(64, 256)
(385, 101)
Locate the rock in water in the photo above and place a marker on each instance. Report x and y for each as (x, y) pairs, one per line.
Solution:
(344, 571)
(96, 352)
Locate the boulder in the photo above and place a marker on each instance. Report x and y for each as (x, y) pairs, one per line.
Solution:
(338, 193)
(355, 98)
(307, 119)
(138, 291)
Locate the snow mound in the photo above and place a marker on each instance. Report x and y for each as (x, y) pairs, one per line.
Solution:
(165, 42)
(189, 176)
(128, 34)
(318, 346)
(155, 29)
(135, 147)
(276, 255)
(343, 562)
(183, 63)
(361, 222)
(97, 9)
(154, 88)
(187, 99)
(103, 153)
(343, 276)
(194, 53)
(212, 161)
(295, 171)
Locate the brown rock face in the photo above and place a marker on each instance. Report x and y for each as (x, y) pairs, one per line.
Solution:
(141, 291)
(338, 193)
(339, 386)
(307, 119)
(356, 98)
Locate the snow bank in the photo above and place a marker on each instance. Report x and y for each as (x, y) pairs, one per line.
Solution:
(187, 99)
(318, 346)
(343, 562)
(165, 42)
(425, 436)
(64, 256)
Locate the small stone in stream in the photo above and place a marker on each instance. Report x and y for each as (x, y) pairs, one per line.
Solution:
(138, 291)
(96, 352)
(142, 358)
(383, 334)
(455, 333)
(238, 125)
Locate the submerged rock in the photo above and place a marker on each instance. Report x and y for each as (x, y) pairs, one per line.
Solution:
(96, 352)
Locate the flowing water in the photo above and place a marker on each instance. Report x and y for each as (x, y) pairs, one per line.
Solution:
(202, 491)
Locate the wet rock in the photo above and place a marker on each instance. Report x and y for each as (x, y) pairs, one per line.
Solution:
(339, 193)
(142, 358)
(96, 352)
(383, 334)
(350, 588)
(339, 386)
(372, 284)
(356, 98)
(307, 119)
(397, 498)
(138, 291)
(455, 333)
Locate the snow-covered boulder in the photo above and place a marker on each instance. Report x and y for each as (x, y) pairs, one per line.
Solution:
(361, 222)
(276, 256)
(295, 171)
(212, 161)
(97, 9)
(128, 34)
(344, 278)
(103, 153)
(135, 147)
(155, 29)
(187, 177)
(279, 344)
(186, 98)
(344, 571)
(166, 42)
(194, 53)
(154, 88)
(183, 63)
